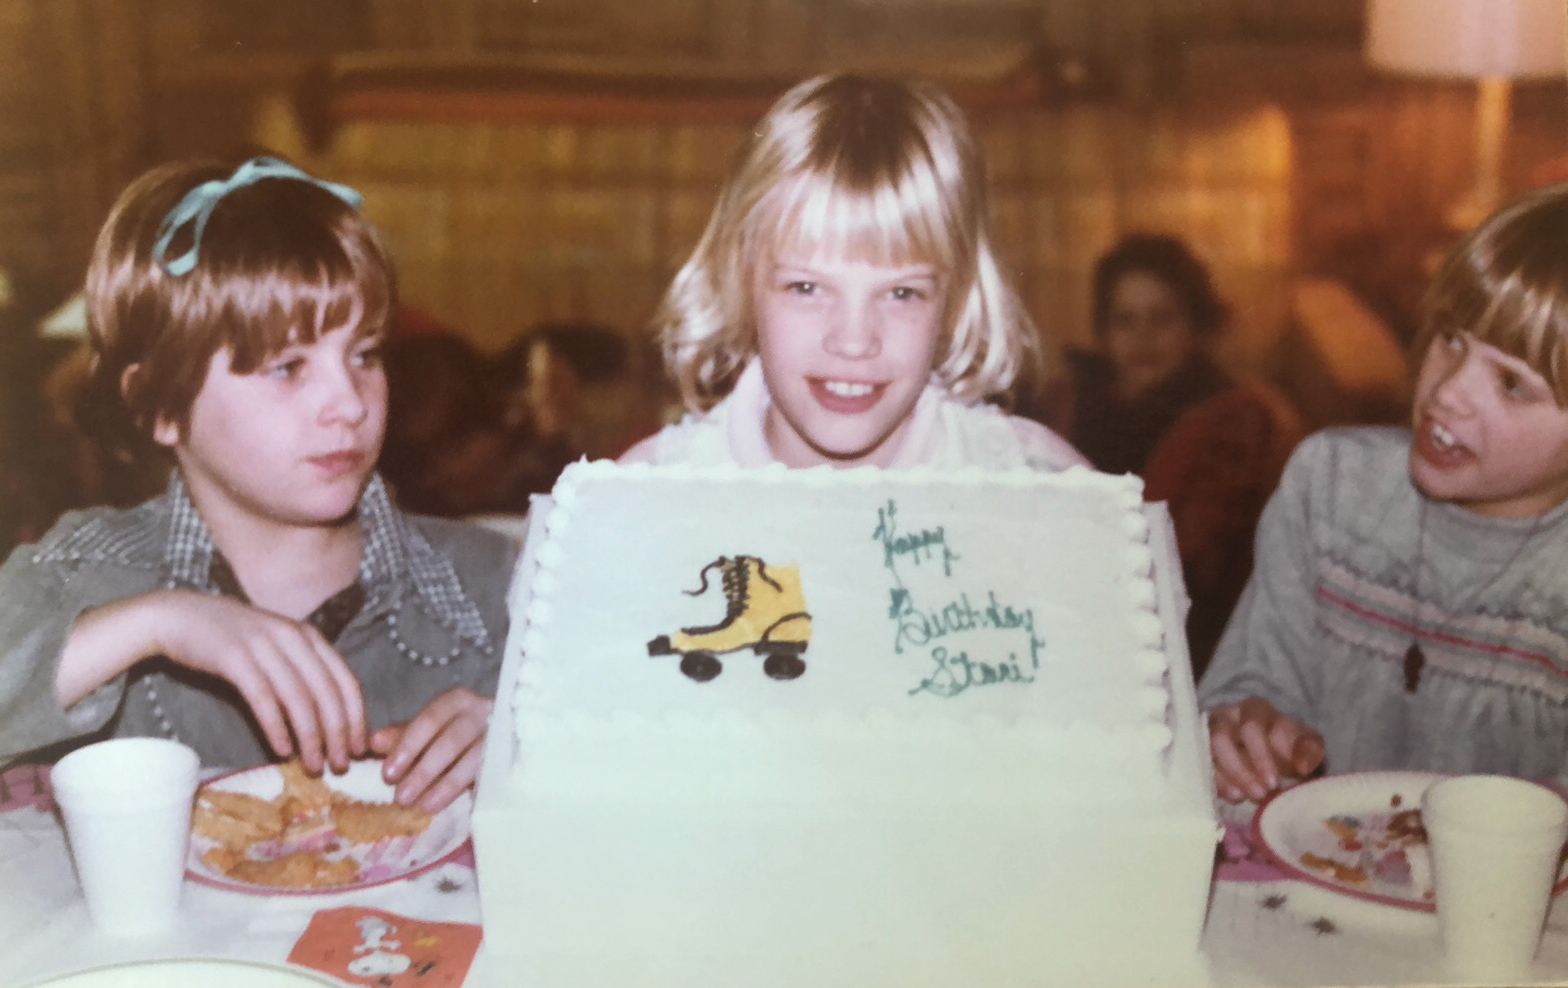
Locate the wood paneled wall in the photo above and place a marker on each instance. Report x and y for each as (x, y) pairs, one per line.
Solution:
(498, 226)
(74, 118)
(1250, 126)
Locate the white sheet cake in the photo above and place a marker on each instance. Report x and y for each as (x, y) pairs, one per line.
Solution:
(817, 727)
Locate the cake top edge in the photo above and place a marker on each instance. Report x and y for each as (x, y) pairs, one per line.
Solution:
(586, 469)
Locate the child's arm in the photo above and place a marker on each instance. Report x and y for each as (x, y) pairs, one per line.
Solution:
(435, 756)
(288, 674)
(38, 604)
(1259, 688)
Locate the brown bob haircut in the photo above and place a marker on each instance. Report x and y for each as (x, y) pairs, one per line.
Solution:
(280, 261)
(1506, 284)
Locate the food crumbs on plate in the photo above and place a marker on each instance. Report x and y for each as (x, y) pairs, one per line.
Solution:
(1405, 827)
(1396, 801)
(1394, 868)
(299, 839)
(1349, 874)
(1344, 827)
(1373, 849)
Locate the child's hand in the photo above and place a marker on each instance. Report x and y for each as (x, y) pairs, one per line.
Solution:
(435, 756)
(290, 676)
(1254, 747)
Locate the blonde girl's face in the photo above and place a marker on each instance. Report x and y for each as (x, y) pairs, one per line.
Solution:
(1487, 432)
(291, 444)
(846, 349)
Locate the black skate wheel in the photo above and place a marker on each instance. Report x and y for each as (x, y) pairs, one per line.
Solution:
(783, 666)
(701, 666)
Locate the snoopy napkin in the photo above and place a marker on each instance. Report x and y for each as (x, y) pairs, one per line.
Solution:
(369, 947)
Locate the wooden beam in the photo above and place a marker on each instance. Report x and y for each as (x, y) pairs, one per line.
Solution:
(427, 88)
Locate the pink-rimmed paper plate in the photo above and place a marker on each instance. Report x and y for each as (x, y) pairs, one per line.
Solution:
(1355, 834)
(191, 972)
(388, 860)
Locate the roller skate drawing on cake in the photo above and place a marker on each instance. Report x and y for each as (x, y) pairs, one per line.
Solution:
(765, 611)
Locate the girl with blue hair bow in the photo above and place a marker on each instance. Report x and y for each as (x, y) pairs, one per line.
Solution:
(273, 601)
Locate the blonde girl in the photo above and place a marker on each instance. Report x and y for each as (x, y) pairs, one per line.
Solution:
(844, 305)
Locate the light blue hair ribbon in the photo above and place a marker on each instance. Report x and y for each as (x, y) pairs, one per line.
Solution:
(198, 204)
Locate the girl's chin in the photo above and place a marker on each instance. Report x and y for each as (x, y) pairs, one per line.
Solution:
(834, 452)
(331, 511)
(1425, 489)
(817, 456)
(831, 445)
(325, 519)
(1440, 485)
(1422, 477)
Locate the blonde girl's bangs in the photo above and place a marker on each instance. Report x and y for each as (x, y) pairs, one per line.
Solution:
(816, 216)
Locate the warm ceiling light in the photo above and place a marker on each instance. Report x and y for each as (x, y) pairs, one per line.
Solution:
(1491, 41)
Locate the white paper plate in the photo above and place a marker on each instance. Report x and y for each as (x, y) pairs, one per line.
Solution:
(384, 861)
(1293, 826)
(191, 973)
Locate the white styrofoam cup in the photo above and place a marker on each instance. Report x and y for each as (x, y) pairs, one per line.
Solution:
(1496, 843)
(127, 810)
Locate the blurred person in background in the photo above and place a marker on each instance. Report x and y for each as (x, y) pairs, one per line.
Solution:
(445, 450)
(556, 385)
(1150, 399)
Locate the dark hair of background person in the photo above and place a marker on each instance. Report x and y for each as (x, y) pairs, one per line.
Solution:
(1172, 262)
(539, 382)
(595, 353)
(443, 437)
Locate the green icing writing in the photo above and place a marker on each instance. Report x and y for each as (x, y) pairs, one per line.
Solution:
(918, 627)
(939, 631)
(954, 674)
(918, 547)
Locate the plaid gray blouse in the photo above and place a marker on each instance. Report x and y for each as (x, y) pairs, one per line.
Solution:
(427, 613)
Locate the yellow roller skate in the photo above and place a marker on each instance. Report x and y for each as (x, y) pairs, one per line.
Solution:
(764, 611)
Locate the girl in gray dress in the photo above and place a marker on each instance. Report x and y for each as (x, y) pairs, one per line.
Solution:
(1409, 604)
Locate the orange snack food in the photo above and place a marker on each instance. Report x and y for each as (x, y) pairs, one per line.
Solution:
(296, 839)
(366, 823)
(1345, 873)
(235, 820)
(301, 869)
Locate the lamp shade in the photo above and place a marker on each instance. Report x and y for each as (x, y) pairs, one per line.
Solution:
(1470, 39)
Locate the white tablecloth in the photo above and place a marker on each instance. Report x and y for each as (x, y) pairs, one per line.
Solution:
(1265, 928)
(45, 931)
(1262, 929)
